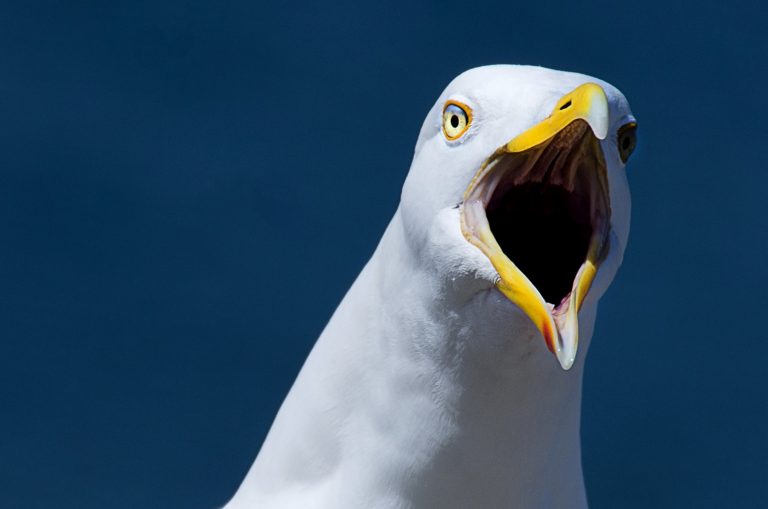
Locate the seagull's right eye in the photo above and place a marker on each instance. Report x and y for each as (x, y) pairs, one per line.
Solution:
(456, 119)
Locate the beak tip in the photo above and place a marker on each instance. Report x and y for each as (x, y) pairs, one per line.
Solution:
(598, 111)
(566, 361)
(600, 127)
(568, 344)
(601, 134)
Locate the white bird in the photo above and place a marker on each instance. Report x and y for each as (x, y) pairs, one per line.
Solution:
(431, 386)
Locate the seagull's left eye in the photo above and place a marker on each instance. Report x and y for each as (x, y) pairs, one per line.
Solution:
(627, 139)
(456, 119)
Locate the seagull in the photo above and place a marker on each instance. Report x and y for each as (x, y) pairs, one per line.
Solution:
(448, 376)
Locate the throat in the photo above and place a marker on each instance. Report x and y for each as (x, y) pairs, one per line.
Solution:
(513, 438)
(424, 402)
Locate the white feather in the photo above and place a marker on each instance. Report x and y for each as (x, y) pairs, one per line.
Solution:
(428, 388)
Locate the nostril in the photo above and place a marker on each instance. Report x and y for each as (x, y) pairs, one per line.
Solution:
(566, 105)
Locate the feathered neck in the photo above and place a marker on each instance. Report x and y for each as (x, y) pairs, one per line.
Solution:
(414, 398)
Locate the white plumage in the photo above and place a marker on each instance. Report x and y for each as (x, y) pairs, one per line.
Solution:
(429, 387)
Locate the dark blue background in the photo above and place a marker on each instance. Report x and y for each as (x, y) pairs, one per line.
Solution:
(188, 189)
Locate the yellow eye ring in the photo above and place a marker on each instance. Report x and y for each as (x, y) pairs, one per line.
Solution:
(457, 118)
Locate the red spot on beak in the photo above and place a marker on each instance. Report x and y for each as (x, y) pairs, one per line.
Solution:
(549, 339)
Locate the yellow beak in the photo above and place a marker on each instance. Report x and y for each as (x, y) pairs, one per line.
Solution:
(557, 324)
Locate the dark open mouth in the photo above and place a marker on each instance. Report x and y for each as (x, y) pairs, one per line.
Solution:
(539, 209)
(545, 230)
(545, 209)
(543, 215)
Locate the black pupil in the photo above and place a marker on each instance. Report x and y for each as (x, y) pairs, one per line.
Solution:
(626, 142)
(455, 120)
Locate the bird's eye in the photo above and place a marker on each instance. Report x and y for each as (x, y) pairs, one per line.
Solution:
(456, 119)
(627, 139)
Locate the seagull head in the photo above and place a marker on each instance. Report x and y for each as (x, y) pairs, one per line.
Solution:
(518, 182)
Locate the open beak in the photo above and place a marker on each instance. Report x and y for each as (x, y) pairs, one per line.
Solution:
(539, 209)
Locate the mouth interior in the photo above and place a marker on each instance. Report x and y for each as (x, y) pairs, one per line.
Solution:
(544, 207)
(542, 217)
(545, 229)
